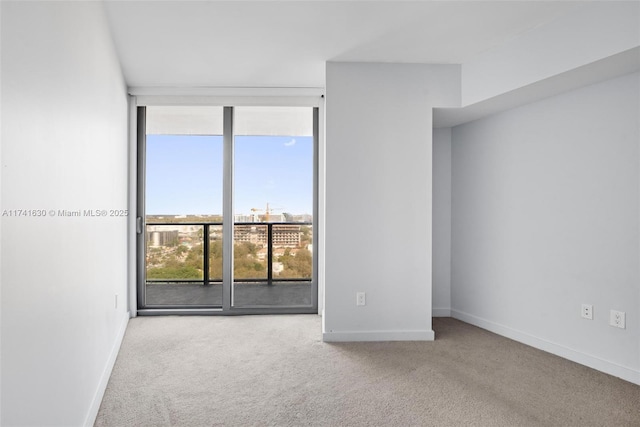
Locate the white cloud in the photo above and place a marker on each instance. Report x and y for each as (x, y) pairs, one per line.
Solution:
(290, 143)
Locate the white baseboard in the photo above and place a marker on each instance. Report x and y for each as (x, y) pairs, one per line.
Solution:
(611, 368)
(106, 373)
(441, 312)
(351, 336)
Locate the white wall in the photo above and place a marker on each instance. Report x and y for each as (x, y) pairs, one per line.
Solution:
(442, 222)
(545, 211)
(0, 213)
(64, 146)
(595, 30)
(378, 197)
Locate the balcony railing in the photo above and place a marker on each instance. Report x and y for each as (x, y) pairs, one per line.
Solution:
(192, 252)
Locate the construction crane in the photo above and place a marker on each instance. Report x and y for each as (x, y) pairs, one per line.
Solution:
(266, 211)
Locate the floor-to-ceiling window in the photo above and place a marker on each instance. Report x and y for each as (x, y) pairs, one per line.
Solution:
(273, 206)
(227, 202)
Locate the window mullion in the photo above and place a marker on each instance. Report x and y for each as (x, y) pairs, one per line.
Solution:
(227, 210)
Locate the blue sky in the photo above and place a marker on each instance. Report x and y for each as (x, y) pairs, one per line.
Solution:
(184, 174)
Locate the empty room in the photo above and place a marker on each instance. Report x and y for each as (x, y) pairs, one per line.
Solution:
(331, 213)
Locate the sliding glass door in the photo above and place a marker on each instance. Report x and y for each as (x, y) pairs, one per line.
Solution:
(183, 206)
(273, 206)
(226, 209)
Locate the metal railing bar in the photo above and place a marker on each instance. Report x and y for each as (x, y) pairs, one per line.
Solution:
(269, 253)
(206, 280)
(147, 223)
(206, 239)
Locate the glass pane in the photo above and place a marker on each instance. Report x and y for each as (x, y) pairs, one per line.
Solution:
(183, 196)
(184, 178)
(273, 204)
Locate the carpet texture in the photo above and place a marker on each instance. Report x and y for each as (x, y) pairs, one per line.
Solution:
(276, 371)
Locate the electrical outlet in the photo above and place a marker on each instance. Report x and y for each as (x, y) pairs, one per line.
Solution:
(587, 311)
(617, 319)
(116, 301)
(361, 298)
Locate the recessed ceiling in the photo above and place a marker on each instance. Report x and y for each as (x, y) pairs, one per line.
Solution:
(286, 44)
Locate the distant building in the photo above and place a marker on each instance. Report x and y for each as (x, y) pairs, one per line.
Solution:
(277, 268)
(284, 235)
(162, 238)
(302, 218)
(243, 218)
(273, 217)
(256, 234)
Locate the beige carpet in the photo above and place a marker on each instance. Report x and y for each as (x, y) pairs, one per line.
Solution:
(276, 371)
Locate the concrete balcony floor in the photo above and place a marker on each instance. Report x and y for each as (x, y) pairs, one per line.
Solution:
(245, 294)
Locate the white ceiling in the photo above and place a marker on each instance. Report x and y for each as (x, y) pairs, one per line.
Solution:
(286, 44)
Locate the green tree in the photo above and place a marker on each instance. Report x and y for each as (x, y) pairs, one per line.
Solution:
(174, 272)
(246, 264)
(215, 259)
(195, 256)
(296, 266)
